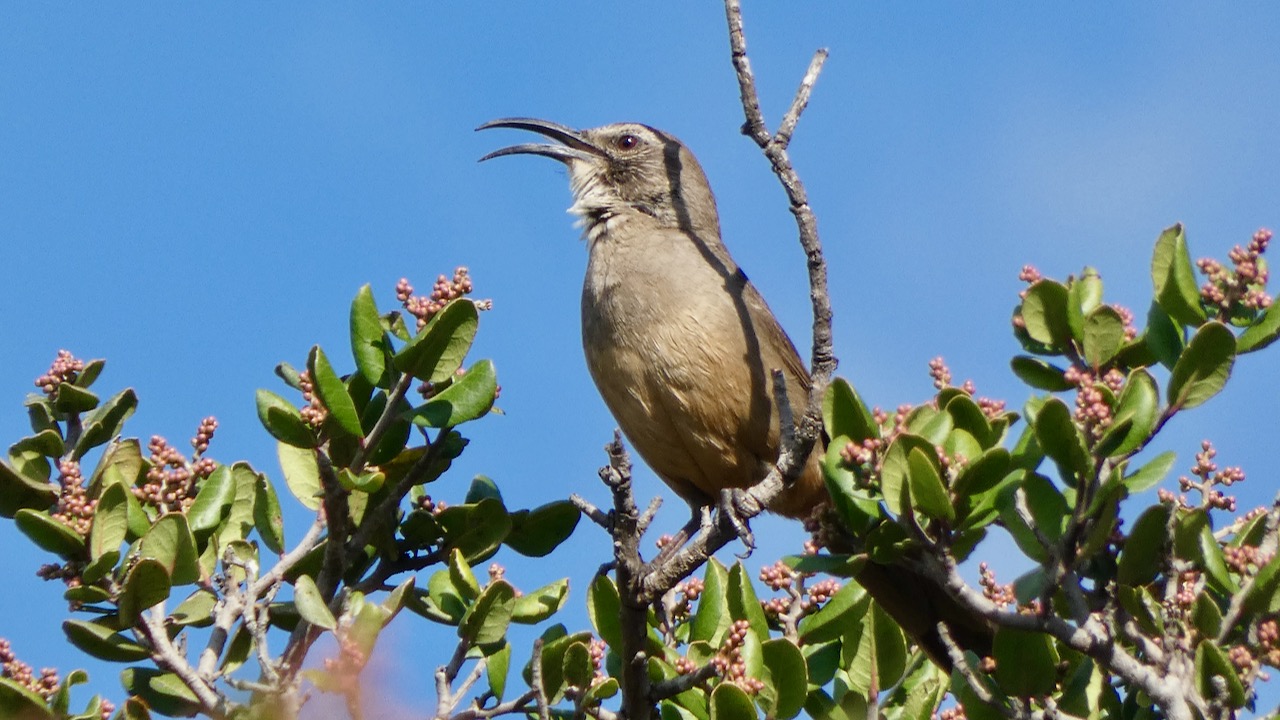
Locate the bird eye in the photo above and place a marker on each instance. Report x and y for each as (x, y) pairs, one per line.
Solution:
(626, 142)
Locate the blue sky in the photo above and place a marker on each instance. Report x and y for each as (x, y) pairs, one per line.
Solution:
(196, 193)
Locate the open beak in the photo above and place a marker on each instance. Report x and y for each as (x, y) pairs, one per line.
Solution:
(574, 146)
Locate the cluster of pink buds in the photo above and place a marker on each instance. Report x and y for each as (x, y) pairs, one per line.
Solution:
(74, 508)
(314, 412)
(729, 663)
(171, 481)
(21, 673)
(445, 289)
(1209, 477)
(1001, 595)
(65, 368)
(1244, 285)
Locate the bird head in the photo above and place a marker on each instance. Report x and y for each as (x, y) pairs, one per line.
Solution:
(623, 172)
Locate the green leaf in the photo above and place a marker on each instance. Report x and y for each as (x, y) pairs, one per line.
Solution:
(51, 535)
(496, 670)
(577, 666)
(16, 701)
(369, 343)
(301, 473)
(535, 607)
(1084, 296)
(730, 702)
(830, 622)
(267, 516)
(212, 502)
(146, 584)
(712, 616)
(1212, 664)
(1140, 560)
(488, 618)
(604, 607)
(170, 542)
(895, 472)
(311, 605)
(103, 642)
(1262, 332)
(553, 650)
(1057, 434)
(466, 399)
(283, 420)
(1150, 475)
(18, 492)
(1135, 415)
(333, 393)
(844, 413)
(106, 422)
(536, 532)
(196, 610)
(110, 521)
(743, 603)
(1103, 335)
(477, 530)
(1204, 366)
(1026, 662)
(69, 398)
(982, 473)
(1174, 279)
(788, 674)
(239, 521)
(1164, 337)
(1044, 310)
(464, 581)
(163, 692)
(927, 492)
(438, 350)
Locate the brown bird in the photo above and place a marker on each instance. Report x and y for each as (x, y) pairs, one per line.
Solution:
(680, 344)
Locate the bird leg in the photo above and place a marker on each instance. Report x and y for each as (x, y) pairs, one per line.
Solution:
(729, 514)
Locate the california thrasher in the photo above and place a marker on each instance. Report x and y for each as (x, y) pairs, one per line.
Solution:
(681, 345)
(679, 342)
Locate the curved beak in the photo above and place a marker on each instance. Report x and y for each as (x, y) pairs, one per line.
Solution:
(574, 146)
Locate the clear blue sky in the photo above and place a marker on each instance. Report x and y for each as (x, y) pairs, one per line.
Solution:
(196, 193)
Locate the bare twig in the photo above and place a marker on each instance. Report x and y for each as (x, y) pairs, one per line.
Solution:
(168, 657)
(680, 683)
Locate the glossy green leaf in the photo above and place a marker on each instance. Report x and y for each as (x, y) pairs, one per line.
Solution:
(1135, 415)
(830, 622)
(164, 693)
(110, 521)
(1174, 279)
(333, 393)
(730, 702)
(577, 666)
(788, 674)
(1140, 560)
(146, 584)
(1194, 542)
(1044, 311)
(444, 599)
(1204, 366)
(1150, 475)
(464, 581)
(844, 413)
(1084, 296)
(477, 530)
(213, 501)
(1212, 666)
(239, 521)
(895, 472)
(857, 509)
(439, 349)
(105, 423)
(466, 399)
(18, 492)
(311, 604)
(604, 607)
(70, 398)
(1026, 662)
(1164, 337)
(196, 610)
(712, 616)
(982, 473)
(16, 701)
(301, 473)
(170, 542)
(743, 602)
(1103, 335)
(536, 532)
(51, 535)
(283, 420)
(552, 660)
(1262, 332)
(369, 343)
(103, 642)
(538, 605)
(267, 516)
(496, 669)
(1057, 434)
(928, 495)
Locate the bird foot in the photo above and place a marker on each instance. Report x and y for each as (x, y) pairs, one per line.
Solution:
(729, 514)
